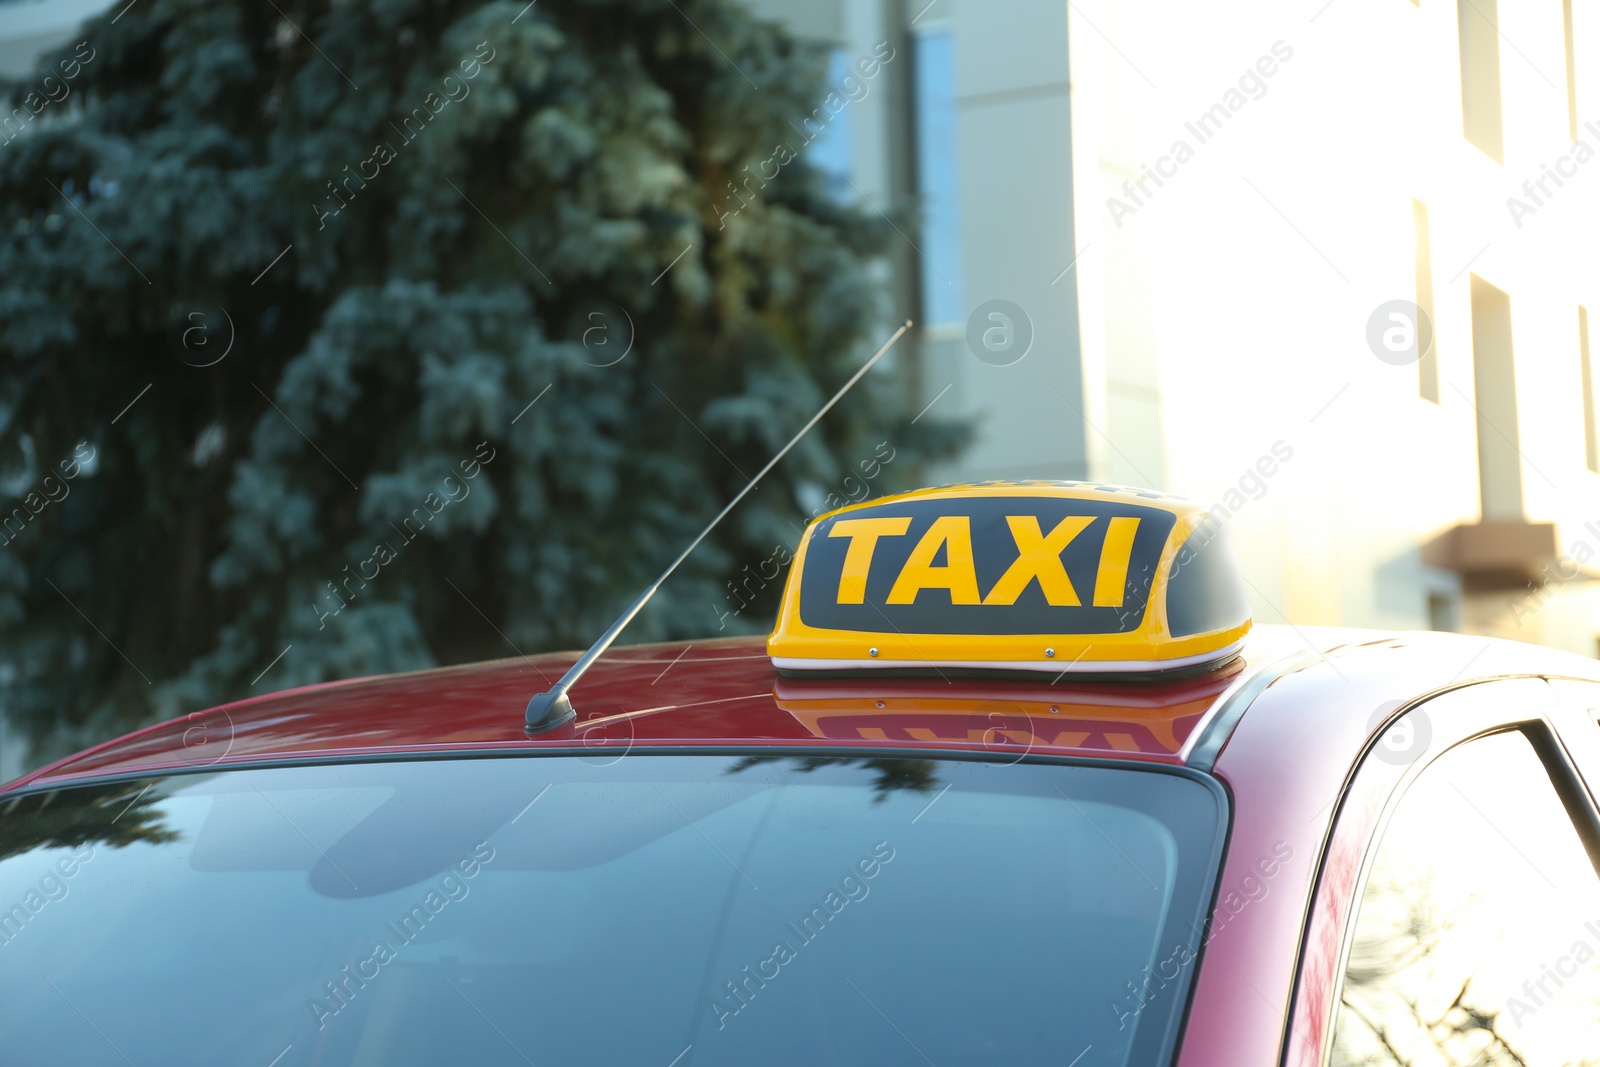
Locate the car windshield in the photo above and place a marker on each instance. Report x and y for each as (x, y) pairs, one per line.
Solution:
(566, 910)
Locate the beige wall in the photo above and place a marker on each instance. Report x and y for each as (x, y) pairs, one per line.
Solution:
(1248, 278)
(1227, 314)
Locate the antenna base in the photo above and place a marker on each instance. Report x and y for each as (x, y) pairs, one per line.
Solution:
(549, 710)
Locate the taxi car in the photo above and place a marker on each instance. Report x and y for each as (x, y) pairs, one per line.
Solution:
(1014, 780)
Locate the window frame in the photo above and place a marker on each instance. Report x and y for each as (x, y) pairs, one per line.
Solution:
(921, 193)
(1372, 794)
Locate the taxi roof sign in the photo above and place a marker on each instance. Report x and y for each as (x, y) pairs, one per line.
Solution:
(1013, 576)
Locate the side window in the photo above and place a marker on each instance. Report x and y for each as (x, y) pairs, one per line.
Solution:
(1478, 935)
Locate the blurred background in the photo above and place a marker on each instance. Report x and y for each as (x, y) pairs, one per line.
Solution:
(1325, 266)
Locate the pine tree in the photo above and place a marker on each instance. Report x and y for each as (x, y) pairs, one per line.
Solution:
(280, 282)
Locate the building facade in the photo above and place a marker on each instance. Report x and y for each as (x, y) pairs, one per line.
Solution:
(1327, 266)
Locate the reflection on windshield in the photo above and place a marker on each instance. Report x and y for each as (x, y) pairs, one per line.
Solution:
(116, 815)
(1478, 936)
(917, 775)
(778, 911)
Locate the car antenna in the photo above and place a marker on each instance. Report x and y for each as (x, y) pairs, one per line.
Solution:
(551, 708)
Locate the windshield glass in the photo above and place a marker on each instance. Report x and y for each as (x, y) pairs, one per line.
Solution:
(667, 910)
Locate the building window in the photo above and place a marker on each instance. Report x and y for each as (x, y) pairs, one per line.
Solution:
(1494, 381)
(1428, 362)
(832, 150)
(1478, 22)
(1572, 71)
(937, 184)
(1591, 442)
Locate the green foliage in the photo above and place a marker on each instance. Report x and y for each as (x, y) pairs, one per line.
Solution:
(420, 309)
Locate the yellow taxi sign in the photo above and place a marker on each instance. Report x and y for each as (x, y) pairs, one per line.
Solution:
(1012, 576)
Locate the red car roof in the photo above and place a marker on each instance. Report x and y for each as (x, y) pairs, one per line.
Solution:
(726, 692)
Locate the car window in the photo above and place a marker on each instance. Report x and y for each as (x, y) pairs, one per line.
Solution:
(1477, 939)
(819, 910)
